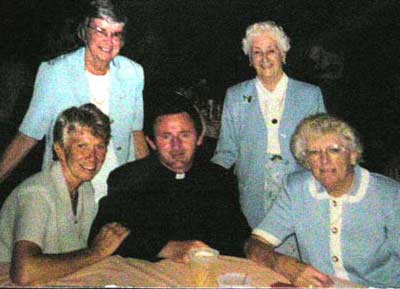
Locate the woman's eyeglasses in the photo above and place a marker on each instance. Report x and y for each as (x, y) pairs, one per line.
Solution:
(102, 33)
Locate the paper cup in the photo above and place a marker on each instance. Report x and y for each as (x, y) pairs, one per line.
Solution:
(233, 280)
(202, 263)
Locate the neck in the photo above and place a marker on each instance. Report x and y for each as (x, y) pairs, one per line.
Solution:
(94, 66)
(72, 183)
(270, 83)
(342, 188)
(74, 195)
(178, 171)
(72, 189)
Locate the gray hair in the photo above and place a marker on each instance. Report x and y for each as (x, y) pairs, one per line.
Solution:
(322, 124)
(102, 9)
(74, 118)
(270, 27)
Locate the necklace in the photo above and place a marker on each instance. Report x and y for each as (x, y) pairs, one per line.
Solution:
(99, 99)
(99, 88)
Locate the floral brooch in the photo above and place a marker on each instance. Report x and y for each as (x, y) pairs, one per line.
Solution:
(247, 98)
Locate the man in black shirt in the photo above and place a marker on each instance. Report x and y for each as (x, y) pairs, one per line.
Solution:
(171, 201)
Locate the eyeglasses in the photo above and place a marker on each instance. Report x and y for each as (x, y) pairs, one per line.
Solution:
(102, 33)
(258, 53)
(332, 151)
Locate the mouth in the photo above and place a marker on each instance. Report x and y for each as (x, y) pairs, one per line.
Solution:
(266, 65)
(105, 50)
(177, 155)
(327, 172)
(91, 169)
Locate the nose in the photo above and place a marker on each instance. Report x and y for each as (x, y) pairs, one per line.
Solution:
(109, 38)
(265, 58)
(325, 157)
(176, 143)
(91, 155)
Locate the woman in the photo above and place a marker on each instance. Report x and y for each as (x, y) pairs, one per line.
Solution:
(258, 119)
(346, 218)
(46, 220)
(94, 73)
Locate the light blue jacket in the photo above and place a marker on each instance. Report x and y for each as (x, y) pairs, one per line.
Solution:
(243, 139)
(61, 83)
(354, 237)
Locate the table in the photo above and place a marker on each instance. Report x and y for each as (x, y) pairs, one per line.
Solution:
(119, 271)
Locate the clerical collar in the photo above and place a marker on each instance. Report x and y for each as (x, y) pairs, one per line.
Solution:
(180, 176)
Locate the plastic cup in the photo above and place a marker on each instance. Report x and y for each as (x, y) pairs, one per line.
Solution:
(233, 280)
(202, 264)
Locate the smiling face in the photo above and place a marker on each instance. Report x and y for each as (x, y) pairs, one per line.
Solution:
(176, 140)
(331, 162)
(267, 58)
(82, 156)
(103, 43)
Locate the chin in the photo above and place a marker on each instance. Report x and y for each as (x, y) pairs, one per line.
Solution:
(88, 177)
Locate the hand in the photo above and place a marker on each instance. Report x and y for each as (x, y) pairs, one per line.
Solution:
(178, 251)
(109, 238)
(308, 276)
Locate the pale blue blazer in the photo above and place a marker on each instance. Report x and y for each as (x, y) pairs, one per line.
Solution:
(243, 138)
(368, 242)
(61, 83)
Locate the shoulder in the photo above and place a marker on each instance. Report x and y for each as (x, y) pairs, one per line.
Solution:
(385, 185)
(217, 177)
(131, 172)
(240, 87)
(298, 178)
(301, 85)
(128, 66)
(212, 169)
(34, 188)
(71, 58)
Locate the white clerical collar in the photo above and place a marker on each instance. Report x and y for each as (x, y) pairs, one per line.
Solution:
(180, 176)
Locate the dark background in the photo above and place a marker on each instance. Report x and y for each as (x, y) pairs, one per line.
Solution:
(183, 43)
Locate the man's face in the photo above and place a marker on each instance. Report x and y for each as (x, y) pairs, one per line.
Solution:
(82, 156)
(176, 140)
(266, 57)
(104, 40)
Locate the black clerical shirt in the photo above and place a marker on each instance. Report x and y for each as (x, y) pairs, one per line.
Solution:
(158, 207)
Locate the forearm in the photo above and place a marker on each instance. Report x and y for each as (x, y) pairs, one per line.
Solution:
(30, 266)
(40, 268)
(15, 152)
(141, 149)
(263, 253)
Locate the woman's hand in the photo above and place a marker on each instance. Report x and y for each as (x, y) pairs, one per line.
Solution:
(308, 276)
(108, 239)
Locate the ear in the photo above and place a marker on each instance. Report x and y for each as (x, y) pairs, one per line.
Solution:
(200, 139)
(59, 151)
(151, 143)
(283, 55)
(353, 158)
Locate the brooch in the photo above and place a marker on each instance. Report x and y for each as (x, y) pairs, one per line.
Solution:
(247, 98)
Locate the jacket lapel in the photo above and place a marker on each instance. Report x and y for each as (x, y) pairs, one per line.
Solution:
(255, 112)
(80, 85)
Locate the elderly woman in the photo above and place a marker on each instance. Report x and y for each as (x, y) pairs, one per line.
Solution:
(258, 119)
(94, 73)
(346, 218)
